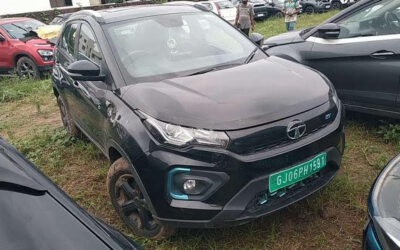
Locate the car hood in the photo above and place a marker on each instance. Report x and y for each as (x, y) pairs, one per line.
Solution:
(285, 38)
(244, 96)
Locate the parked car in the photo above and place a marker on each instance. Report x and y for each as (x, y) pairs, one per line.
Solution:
(60, 19)
(275, 8)
(223, 8)
(341, 4)
(382, 230)
(357, 50)
(261, 9)
(21, 50)
(36, 214)
(201, 127)
(315, 6)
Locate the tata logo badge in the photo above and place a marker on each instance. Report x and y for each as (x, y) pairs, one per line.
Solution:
(296, 129)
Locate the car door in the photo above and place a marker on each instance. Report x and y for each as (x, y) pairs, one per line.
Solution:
(364, 61)
(65, 54)
(90, 96)
(5, 55)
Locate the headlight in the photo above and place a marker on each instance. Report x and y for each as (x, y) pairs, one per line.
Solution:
(183, 136)
(43, 52)
(332, 89)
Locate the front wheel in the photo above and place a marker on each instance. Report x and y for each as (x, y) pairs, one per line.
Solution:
(130, 204)
(27, 68)
(279, 15)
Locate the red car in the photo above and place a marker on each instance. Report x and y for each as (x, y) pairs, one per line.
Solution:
(21, 50)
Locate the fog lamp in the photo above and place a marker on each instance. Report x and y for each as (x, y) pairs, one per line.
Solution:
(189, 186)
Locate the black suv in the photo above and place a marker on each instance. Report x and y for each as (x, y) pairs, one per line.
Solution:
(202, 128)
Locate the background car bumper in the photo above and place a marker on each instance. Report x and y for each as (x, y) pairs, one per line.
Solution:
(370, 241)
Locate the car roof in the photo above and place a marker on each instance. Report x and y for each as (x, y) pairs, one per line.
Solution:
(133, 12)
(14, 19)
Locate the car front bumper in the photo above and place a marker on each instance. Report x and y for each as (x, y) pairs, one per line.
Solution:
(370, 241)
(237, 200)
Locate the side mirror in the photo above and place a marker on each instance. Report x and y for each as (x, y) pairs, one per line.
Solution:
(329, 31)
(85, 70)
(257, 38)
(2, 39)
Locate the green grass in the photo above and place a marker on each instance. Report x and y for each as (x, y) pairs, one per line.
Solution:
(330, 219)
(274, 26)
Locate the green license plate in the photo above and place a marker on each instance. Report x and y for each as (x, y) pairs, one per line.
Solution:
(297, 173)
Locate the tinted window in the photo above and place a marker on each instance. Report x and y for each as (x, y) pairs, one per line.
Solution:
(68, 38)
(88, 46)
(18, 30)
(380, 18)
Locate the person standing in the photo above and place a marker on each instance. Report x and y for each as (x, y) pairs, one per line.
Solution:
(291, 9)
(245, 17)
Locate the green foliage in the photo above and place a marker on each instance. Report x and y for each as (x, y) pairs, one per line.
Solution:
(390, 133)
(45, 145)
(16, 89)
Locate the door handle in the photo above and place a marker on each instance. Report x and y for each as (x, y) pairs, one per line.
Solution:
(382, 53)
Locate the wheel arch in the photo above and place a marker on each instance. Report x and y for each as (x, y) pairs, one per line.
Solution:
(114, 152)
(19, 55)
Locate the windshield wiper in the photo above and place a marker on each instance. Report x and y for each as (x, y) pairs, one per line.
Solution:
(250, 57)
(203, 71)
(206, 70)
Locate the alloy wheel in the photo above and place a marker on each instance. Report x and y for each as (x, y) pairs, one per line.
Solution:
(134, 208)
(27, 70)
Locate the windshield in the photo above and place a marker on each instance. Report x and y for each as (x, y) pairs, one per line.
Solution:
(167, 46)
(19, 30)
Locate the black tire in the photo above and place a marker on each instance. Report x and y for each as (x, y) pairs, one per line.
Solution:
(309, 10)
(27, 68)
(279, 15)
(66, 119)
(336, 5)
(129, 203)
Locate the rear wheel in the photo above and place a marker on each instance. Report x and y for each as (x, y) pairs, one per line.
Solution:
(130, 204)
(309, 10)
(27, 68)
(66, 119)
(336, 5)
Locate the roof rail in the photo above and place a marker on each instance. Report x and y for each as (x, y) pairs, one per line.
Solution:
(96, 15)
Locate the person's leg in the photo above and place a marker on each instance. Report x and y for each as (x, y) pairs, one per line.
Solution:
(291, 26)
(287, 25)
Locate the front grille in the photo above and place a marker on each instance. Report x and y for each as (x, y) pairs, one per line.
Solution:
(274, 135)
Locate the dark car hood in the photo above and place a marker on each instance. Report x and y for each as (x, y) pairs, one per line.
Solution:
(249, 95)
(285, 38)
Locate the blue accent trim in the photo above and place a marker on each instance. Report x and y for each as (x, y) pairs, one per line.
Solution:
(173, 193)
(370, 239)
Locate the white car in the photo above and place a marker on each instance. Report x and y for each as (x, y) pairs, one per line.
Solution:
(223, 8)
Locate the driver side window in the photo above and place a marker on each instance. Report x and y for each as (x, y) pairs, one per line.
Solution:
(380, 18)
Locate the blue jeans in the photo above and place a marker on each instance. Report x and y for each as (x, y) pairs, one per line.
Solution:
(290, 26)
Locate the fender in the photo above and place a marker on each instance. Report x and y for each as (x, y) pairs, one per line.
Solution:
(113, 144)
(287, 57)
